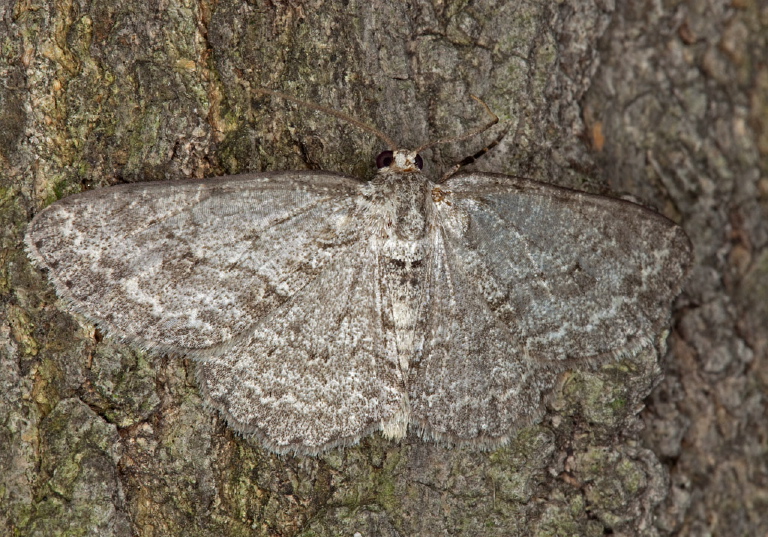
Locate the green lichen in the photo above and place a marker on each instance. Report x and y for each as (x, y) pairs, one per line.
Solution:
(565, 517)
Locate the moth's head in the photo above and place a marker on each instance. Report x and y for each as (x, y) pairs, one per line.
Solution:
(399, 161)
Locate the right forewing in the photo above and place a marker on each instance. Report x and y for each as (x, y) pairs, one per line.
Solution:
(185, 265)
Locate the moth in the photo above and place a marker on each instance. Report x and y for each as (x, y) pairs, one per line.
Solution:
(321, 308)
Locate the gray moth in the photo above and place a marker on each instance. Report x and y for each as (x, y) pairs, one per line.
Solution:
(321, 308)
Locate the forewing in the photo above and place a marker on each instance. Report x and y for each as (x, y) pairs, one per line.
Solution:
(317, 372)
(570, 275)
(185, 265)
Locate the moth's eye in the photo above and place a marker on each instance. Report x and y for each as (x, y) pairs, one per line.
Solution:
(384, 159)
(419, 162)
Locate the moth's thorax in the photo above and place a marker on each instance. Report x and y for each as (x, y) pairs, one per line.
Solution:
(401, 201)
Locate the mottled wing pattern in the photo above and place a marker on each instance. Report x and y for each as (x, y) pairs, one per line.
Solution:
(285, 287)
(319, 371)
(529, 279)
(185, 265)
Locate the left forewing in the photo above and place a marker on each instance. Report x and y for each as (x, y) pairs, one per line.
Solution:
(570, 275)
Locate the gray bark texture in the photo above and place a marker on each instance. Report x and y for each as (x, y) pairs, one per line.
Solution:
(663, 102)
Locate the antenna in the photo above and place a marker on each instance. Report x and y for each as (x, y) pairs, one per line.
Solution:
(470, 134)
(391, 143)
(341, 115)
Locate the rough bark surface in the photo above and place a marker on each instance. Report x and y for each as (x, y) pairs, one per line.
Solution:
(664, 102)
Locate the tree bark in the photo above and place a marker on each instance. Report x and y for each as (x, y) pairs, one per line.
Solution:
(665, 103)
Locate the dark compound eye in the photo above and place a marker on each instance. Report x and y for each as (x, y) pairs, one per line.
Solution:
(384, 159)
(419, 162)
